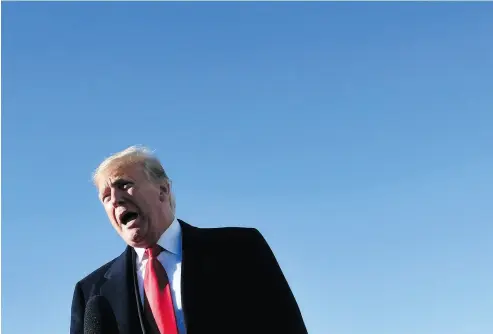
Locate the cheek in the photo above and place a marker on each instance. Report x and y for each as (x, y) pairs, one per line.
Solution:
(110, 212)
(148, 200)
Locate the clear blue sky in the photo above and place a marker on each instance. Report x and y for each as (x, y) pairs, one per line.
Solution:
(356, 137)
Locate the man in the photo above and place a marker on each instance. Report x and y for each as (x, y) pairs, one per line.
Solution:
(174, 278)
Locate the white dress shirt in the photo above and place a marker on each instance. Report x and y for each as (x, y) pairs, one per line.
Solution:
(171, 259)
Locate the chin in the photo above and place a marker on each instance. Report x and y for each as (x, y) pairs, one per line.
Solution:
(136, 240)
(137, 243)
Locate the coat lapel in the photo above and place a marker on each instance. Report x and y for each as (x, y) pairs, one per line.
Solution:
(187, 268)
(120, 293)
(197, 264)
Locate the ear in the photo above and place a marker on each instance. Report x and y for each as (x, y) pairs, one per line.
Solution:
(164, 191)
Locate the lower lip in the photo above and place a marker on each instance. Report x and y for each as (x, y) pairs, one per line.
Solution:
(133, 224)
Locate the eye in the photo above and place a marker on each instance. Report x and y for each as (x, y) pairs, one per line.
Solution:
(127, 185)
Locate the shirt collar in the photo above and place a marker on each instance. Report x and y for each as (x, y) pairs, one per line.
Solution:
(170, 240)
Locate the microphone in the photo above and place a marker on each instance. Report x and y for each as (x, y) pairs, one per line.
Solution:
(99, 317)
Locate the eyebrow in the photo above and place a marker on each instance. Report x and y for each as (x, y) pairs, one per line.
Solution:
(119, 182)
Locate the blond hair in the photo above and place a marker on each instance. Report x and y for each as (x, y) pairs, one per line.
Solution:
(132, 155)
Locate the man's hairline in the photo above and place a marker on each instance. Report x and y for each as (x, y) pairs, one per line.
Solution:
(118, 169)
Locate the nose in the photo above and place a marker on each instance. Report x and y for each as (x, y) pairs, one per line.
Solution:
(116, 198)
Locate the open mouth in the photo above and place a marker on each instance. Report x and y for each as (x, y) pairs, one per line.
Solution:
(128, 217)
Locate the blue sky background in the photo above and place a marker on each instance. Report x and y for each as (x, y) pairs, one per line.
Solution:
(356, 136)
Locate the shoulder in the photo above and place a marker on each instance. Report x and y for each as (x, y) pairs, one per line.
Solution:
(228, 234)
(237, 233)
(231, 238)
(89, 285)
(94, 278)
(84, 289)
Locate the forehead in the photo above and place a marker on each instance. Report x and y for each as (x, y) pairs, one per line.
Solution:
(112, 174)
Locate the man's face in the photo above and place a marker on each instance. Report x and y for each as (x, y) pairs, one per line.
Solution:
(138, 208)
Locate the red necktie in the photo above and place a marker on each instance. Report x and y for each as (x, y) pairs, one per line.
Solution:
(158, 293)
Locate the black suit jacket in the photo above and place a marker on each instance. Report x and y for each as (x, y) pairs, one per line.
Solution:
(231, 283)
